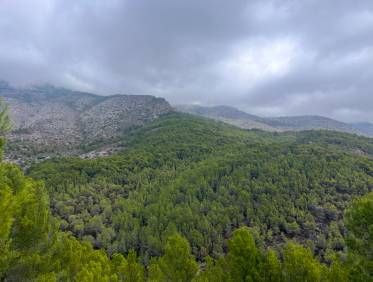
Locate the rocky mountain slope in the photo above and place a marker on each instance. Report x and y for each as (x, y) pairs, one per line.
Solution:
(294, 123)
(48, 118)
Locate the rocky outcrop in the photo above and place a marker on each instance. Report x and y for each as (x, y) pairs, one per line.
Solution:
(63, 119)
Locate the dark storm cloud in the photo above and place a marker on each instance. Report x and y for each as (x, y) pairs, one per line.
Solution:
(266, 57)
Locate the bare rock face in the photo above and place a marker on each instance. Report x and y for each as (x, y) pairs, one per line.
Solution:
(64, 120)
(113, 116)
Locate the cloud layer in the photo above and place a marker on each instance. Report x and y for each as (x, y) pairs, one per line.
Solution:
(266, 57)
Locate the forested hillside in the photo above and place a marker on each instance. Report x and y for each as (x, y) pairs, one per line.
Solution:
(194, 200)
(204, 180)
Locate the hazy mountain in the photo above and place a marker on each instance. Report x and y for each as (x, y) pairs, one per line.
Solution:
(65, 120)
(364, 127)
(292, 123)
(297, 123)
(229, 115)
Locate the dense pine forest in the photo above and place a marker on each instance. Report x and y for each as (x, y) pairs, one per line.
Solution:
(190, 199)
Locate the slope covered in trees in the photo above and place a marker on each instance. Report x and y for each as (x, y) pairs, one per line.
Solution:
(175, 205)
(205, 179)
(32, 249)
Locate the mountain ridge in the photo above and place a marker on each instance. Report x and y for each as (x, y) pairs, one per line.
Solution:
(61, 120)
(50, 121)
(245, 120)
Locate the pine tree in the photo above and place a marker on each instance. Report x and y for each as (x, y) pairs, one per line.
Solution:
(300, 265)
(244, 261)
(177, 264)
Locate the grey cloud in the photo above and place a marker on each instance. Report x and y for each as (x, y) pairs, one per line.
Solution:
(268, 57)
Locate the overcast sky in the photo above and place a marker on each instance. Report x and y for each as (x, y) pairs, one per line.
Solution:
(287, 57)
